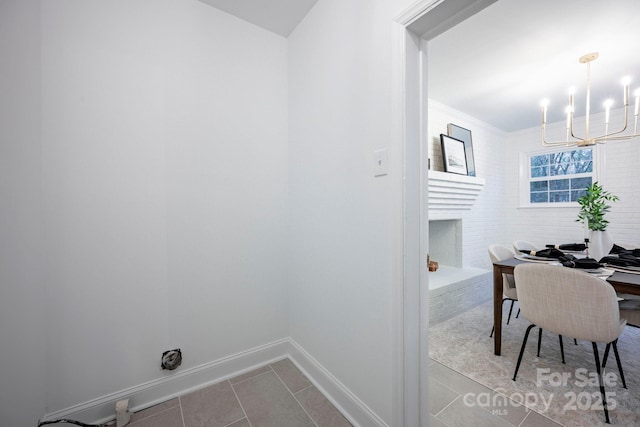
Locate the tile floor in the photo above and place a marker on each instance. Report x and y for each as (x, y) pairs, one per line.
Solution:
(278, 395)
(458, 401)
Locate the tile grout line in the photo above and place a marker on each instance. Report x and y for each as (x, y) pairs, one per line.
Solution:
(235, 421)
(303, 389)
(240, 402)
(446, 406)
(247, 379)
(153, 415)
(295, 398)
(181, 412)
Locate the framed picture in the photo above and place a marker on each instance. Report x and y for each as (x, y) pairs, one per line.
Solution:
(464, 135)
(453, 155)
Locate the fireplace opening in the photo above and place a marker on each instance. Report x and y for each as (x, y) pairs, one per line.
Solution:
(453, 288)
(445, 242)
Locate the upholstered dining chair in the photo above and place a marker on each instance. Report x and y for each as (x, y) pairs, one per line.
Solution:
(524, 245)
(630, 309)
(630, 305)
(572, 303)
(499, 253)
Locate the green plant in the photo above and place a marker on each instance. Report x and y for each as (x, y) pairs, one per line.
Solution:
(593, 207)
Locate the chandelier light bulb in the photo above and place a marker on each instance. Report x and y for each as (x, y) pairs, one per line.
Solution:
(544, 104)
(607, 108)
(568, 110)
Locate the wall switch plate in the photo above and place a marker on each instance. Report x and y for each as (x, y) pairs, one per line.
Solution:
(380, 162)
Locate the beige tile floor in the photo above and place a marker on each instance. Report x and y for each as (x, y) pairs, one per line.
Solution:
(458, 401)
(279, 395)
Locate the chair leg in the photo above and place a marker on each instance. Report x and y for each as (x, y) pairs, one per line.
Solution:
(575, 341)
(494, 327)
(615, 351)
(606, 355)
(561, 348)
(524, 344)
(602, 392)
(510, 310)
(518, 314)
(539, 340)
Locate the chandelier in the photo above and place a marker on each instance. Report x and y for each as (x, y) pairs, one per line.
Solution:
(586, 139)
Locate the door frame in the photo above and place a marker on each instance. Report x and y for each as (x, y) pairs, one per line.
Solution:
(410, 138)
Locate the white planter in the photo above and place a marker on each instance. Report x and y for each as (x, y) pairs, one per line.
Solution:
(600, 244)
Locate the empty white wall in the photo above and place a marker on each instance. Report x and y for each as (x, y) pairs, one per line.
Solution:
(164, 160)
(22, 303)
(341, 216)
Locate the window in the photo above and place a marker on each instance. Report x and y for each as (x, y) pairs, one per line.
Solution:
(559, 177)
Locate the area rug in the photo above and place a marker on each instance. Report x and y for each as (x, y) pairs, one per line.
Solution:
(567, 393)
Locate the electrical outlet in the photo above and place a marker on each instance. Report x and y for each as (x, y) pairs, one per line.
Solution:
(171, 359)
(122, 413)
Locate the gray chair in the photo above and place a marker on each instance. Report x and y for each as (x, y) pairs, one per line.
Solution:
(523, 245)
(630, 306)
(499, 253)
(572, 303)
(630, 309)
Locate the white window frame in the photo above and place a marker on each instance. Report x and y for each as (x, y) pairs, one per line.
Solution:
(525, 167)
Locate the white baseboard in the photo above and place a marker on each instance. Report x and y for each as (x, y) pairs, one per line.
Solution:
(102, 409)
(358, 414)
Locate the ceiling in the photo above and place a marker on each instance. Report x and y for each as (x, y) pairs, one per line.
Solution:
(278, 16)
(498, 64)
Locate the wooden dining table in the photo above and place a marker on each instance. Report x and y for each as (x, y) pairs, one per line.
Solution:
(627, 283)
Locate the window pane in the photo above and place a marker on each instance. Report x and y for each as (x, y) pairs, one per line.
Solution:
(539, 197)
(559, 196)
(559, 169)
(538, 172)
(559, 184)
(584, 167)
(538, 186)
(580, 183)
(582, 154)
(563, 157)
(539, 160)
(576, 194)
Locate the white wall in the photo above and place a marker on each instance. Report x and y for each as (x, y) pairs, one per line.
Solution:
(483, 224)
(557, 225)
(22, 304)
(164, 159)
(341, 216)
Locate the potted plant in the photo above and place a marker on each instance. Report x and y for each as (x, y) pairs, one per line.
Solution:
(593, 208)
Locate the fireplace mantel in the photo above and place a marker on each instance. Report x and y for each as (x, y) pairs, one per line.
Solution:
(450, 191)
